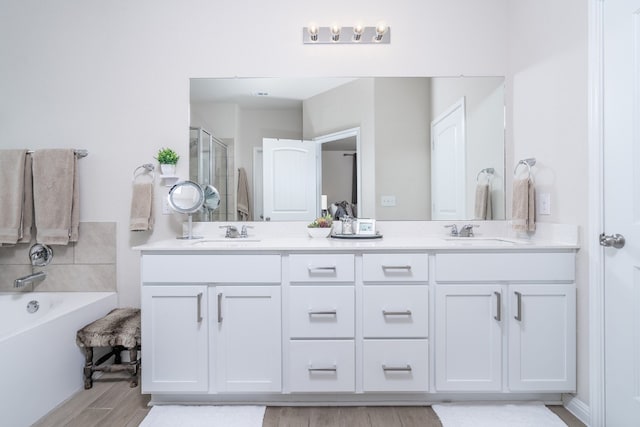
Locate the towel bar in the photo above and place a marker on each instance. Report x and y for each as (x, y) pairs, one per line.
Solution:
(80, 153)
(528, 163)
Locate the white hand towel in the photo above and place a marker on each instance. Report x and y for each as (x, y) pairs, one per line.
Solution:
(54, 196)
(142, 207)
(523, 205)
(12, 195)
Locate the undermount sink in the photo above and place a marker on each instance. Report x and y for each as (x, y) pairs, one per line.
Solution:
(480, 241)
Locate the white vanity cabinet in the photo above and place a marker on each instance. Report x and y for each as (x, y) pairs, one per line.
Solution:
(216, 331)
(395, 319)
(321, 323)
(519, 304)
(247, 340)
(175, 334)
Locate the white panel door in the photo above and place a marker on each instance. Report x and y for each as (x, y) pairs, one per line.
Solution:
(174, 332)
(448, 162)
(289, 179)
(622, 211)
(468, 342)
(248, 339)
(542, 338)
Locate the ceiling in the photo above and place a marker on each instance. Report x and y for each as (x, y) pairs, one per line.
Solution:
(262, 92)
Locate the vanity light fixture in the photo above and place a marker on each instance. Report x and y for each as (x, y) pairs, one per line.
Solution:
(335, 33)
(313, 32)
(358, 34)
(381, 29)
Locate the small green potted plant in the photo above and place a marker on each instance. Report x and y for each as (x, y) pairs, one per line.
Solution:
(167, 159)
(321, 226)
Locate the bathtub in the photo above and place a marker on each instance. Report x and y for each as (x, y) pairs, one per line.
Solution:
(40, 363)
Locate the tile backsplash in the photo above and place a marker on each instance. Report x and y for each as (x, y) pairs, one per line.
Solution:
(88, 265)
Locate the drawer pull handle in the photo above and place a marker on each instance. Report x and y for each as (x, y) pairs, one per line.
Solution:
(199, 314)
(332, 368)
(220, 307)
(333, 312)
(406, 368)
(396, 313)
(321, 269)
(498, 315)
(396, 267)
(518, 315)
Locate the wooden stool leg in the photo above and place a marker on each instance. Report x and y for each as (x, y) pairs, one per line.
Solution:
(133, 366)
(88, 367)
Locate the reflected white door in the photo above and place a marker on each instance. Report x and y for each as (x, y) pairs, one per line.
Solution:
(289, 180)
(622, 211)
(448, 164)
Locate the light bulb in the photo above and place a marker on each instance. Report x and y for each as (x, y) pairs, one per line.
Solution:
(313, 32)
(381, 28)
(357, 32)
(335, 33)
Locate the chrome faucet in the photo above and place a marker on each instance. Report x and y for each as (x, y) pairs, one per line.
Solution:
(232, 231)
(466, 230)
(454, 230)
(29, 279)
(243, 232)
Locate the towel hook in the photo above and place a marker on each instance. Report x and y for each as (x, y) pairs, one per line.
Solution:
(528, 163)
(487, 171)
(148, 168)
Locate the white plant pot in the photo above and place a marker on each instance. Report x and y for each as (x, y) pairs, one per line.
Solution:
(167, 169)
(319, 232)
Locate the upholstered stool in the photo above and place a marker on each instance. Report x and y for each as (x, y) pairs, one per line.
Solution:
(120, 330)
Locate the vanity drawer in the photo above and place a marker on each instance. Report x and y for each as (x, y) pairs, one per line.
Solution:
(413, 267)
(396, 311)
(396, 365)
(321, 366)
(491, 267)
(190, 268)
(321, 268)
(321, 312)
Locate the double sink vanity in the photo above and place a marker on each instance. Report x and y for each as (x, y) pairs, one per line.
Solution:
(412, 318)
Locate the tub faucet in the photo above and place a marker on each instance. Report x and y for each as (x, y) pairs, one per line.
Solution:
(29, 279)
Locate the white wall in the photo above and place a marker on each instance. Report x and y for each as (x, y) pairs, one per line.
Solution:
(113, 77)
(547, 119)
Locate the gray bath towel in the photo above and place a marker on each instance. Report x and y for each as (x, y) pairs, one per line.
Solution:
(244, 213)
(55, 196)
(27, 210)
(523, 205)
(141, 218)
(12, 195)
(482, 208)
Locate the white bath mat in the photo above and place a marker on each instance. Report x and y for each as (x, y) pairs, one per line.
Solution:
(201, 416)
(507, 415)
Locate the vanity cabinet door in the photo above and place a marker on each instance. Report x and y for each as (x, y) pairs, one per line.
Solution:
(248, 338)
(468, 337)
(174, 336)
(542, 338)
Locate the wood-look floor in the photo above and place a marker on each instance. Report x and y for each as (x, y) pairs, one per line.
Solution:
(111, 403)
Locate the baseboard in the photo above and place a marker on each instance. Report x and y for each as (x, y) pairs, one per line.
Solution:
(578, 408)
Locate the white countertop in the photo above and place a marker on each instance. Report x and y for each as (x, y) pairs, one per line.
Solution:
(396, 236)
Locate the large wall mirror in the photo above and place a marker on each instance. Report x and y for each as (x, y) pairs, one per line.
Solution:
(415, 148)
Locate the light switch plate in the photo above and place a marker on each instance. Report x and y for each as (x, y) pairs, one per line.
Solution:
(544, 204)
(387, 200)
(166, 210)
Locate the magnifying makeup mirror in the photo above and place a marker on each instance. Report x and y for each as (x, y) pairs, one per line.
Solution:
(211, 197)
(187, 197)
